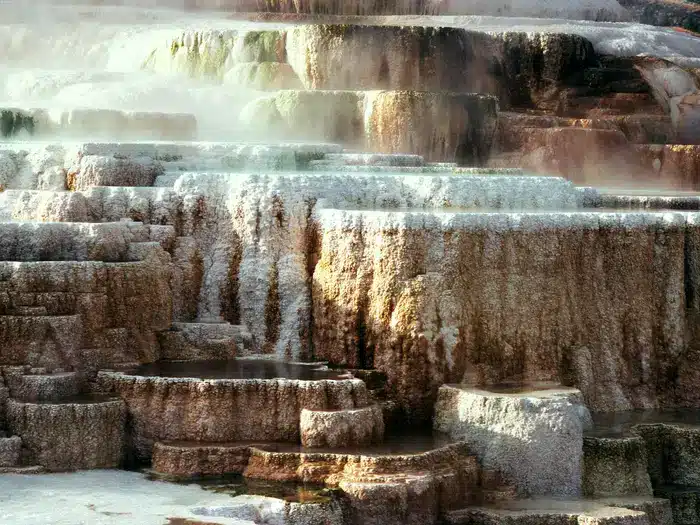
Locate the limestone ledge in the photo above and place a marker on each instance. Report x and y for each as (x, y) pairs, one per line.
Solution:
(492, 297)
(533, 438)
(70, 436)
(44, 387)
(31, 241)
(512, 64)
(236, 409)
(341, 428)
(388, 490)
(269, 225)
(83, 314)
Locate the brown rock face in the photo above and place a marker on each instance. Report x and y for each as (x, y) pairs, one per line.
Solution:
(224, 410)
(675, 163)
(439, 126)
(82, 314)
(583, 155)
(579, 298)
(382, 489)
(184, 460)
(70, 436)
(519, 67)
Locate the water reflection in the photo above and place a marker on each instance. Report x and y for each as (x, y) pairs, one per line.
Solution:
(239, 369)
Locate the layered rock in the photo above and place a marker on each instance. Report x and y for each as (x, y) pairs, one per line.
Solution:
(394, 489)
(84, 434)
(263, 229)
(192, 460)
(341, 428)
(83, 314)
(430, 298)
(236, 410)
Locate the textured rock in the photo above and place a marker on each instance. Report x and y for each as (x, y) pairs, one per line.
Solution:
(381, 489)
(94, 170)
(30, 241)
(83, 326)
(615, 467)
(45, 387)
(10, 450)
(191, 460)
(517, 66)
(236, 410)
(71, 436)
(582, 155)
(264, 229)
(677, 164)
(550, 512)
(430, 298)
(658, 510)
(273, 511)
(673, 453)
(534, 438)
(204, 341)
(341, 428)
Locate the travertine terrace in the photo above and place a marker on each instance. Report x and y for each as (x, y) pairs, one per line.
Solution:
(392, 263)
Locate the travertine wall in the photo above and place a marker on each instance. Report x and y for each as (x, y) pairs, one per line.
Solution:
(82, 314)
(224, 410)
(595, 300)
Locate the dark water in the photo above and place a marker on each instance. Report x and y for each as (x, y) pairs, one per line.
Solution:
(238, 369)
(619, 424)
(80, 399)
(515, 387)
(237, 485)
(397, 442)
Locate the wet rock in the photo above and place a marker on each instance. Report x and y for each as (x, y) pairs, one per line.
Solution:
(165, 408)
(341, 428)
(262, 76)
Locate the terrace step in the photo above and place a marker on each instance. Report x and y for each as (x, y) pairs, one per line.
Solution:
(205, 341)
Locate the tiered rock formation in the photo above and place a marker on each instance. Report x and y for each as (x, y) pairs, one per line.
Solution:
(445, 284)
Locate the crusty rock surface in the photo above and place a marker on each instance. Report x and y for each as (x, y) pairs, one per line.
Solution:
(533, 438)
(83, 315)
(10, 451)
(615, 467)
(264, 229)
(430, 298)
(387, 490)
(193, 459)
(45, 387)
(439, 126)
(95, 170)
(224, 410)
(70, 436)
(341, 428)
